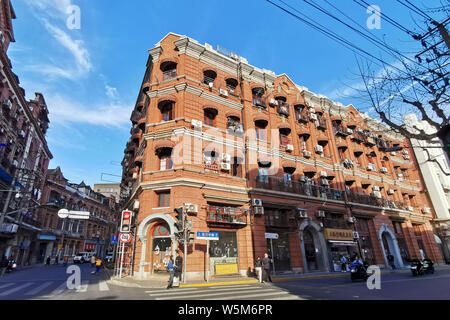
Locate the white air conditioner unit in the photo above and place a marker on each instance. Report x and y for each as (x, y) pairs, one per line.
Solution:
(400, 175)
(307, 154)
(302, 213)
(320, 214)
(426, 210)
(323, 173)
(191, 208)
(351, 220)
(349, 131)
(376, 188)
(383, 169)
(406, 157)
(312, 110)
(289, 147)
(22, 133)
(223, 92)
(391, 191)
(257, 202)
(405, 152)
(273, 102)
(324, 182)
(196, 124)
(359, 130)
(318, 149)
(377, 194)
(393, 153)
(136, 205)
(211, 84)
(371, 167)
(410, 208)
(259, 211)
(225, 166)
(8, 103)
(225, 157)
(313, 116)
(135, 175)
(355, 235)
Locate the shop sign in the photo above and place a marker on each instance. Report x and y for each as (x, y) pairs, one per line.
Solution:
(226, 268)
(46, 237)
(338, 234)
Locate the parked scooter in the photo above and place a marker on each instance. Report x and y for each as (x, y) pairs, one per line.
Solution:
(11, 265)
(421, 267)
(358, 271)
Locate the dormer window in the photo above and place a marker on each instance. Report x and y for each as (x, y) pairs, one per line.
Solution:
(257, 94)
(169, 69)
(209, 76)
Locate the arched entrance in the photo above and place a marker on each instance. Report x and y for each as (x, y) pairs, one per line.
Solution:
(314, 248)
(389, 245)
(163, 227)
(161, 246)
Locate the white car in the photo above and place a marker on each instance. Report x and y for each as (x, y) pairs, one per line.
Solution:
(82, 257)
(109, 257)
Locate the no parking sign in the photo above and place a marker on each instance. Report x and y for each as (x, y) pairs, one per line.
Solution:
(124, 237)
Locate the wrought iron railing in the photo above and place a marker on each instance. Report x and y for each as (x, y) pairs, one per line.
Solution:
(226, 215)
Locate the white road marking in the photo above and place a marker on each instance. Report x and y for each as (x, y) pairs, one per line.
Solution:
(8, 292)
(57, 291)
(103, 286)
(39, 289)
(7, 285)
(236, 295)
(83, 287)
(254, 295)
(163, 293)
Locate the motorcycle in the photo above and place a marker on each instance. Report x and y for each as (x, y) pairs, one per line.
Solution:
(11, 266)
(421, 267)
(358, 271)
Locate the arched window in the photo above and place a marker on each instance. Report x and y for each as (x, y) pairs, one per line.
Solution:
(209, 115)
(169, 69)
(167, 110)
(257, 94)
(209, 76)
(231, 85)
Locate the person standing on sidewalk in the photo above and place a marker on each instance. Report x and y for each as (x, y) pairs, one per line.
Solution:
(343, 264)
(48, 261)
(170, 269)
(391, 261)
(178, 266)
(258, 267)
(266, 268)
(3, 265)
(93, 260)
(98, 264)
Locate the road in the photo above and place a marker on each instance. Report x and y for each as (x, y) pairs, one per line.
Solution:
(50, 283)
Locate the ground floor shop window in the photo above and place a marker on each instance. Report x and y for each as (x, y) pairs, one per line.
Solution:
(161, 247)
(224, 257)
(281, 254)
(337, 251)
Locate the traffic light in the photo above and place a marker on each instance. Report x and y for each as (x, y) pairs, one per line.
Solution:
(191, 237)
(180, 217)
(125, 225)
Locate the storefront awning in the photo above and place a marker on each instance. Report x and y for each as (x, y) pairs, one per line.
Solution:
(342, 243)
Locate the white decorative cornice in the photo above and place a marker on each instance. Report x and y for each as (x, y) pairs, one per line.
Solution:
(155, 53)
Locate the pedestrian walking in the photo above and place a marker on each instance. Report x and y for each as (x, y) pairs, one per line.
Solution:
(178, 267)
(258, 268)
(343, 264)
(3, 265)
(391, 261)
(93, 260)
(98, 264)
(48, 261)
(170, 269)
(56, 259)
(266, 268)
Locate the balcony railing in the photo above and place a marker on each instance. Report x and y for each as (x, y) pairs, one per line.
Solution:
(169, 74)
(136, 115)
(283, 108)
(211, 168)
(226, 215)
(340, 130)
(302, 116)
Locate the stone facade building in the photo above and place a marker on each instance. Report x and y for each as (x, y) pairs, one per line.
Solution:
(248, 153)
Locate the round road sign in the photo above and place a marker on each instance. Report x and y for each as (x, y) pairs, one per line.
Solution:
(63, 213)
(124, 237)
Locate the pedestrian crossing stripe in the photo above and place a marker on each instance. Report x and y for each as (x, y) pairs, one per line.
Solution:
(39, 288)
(15, 289)
(83, 287)
(236, 295)
(6, 285)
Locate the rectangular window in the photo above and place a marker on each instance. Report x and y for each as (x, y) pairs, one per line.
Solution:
(164, 199)
(357, 160)
(208, 120)
(284, 140)
(263, 175)
(165, 163)
(236, 170)
(341, 154)
(260, 133)
(287, 179)
(256, 100)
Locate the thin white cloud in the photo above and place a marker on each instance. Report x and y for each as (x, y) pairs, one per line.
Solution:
(111, 92)
(63, 111)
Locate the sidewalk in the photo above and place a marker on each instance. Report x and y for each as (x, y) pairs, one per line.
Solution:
(160, 281)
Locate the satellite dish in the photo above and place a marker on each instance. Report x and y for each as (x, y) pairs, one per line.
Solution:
(63, 213)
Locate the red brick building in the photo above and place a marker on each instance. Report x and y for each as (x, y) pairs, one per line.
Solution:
(250, 153)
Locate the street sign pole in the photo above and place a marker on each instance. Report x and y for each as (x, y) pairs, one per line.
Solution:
(271, 248)
(207, 261)
(121, 260)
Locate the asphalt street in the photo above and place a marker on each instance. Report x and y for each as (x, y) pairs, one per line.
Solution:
(50, 283)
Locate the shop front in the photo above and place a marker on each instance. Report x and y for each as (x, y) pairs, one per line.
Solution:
(161, 247)
(340, 242)
(223, 253)
(281, 252)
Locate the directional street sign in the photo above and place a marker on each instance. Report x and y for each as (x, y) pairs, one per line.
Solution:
(114, 238)
(207, 236)
(124, 237)
(64, 213)
(271, 235)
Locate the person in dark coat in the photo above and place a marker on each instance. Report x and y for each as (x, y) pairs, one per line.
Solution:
(266, 268)
(48, 261)
(391, 261)
(178, 266)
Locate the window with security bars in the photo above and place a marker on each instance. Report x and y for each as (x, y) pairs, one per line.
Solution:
(164, 199)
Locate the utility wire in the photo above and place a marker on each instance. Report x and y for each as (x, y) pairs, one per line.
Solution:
(415, 9)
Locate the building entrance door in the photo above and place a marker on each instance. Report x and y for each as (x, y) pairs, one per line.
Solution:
(281, 255)
(161, 248)
(310, 250)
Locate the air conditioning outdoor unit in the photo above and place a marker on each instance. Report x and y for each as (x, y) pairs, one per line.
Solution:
(359, 130)
(257, 202)
(273, 102)
(376, 188)
(410, 208)
(393, 153)
(349, 131)
(312, 110)
(289, 147)
(313, 116)
(351, 220)
(320, 214)
(196, 124)
(303, 179)
(302, 213)
(324, 182)
(377, 194)
(22, 133)
(135, 175)
(371, 167)
(136, 205)
(223, 92)
(355, 235)
(406, 157)
(15, 163)
(259, 211)
(323, 173)
(307, 154)
(191, 208)
(426, 210)
(225, 157)
(211, 84)
(225, 166)
(400, 175)
(318, 149)
(391, 191)
(383, 169)
(405, 152)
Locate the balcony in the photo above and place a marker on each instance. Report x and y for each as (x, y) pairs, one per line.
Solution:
(136, 115)
(297, 187)
(340, 130)
(226, 216)
(382, 144)
(358, 136)
(302, 116)
(283, 108)
(321, 123)
(259, 102)
(365, 199)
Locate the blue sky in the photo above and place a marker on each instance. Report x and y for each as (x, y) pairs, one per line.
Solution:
(90, 76)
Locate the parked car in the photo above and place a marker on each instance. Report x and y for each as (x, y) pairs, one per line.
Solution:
(109, 257)
(83, 257)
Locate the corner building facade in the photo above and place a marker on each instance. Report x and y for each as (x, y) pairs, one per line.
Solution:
(249, 153)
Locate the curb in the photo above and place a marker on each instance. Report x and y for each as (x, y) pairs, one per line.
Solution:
(217, 283)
